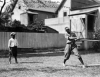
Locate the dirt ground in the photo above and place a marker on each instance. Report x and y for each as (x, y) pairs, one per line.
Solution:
(49, 64)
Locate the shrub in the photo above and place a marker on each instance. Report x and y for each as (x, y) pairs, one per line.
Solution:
(96, 44)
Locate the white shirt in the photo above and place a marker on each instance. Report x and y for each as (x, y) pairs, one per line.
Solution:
(12, 42)
(66, 36)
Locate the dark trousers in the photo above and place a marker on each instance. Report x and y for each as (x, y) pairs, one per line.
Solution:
(13, 52)
(68, 49)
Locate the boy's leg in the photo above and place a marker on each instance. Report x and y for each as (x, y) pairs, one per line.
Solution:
(10, 57)
(78, 55)
(16, 59)
(16, 55)
(67, 53)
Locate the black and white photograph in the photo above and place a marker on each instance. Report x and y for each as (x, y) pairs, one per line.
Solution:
(49, 38)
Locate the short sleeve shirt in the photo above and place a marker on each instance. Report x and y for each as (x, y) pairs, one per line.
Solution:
(12, 42)
(67, 36)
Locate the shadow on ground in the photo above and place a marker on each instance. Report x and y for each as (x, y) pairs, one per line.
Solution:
(13, 69)
(30, 62)
(40, 69)
(53, 70)
(44, 52)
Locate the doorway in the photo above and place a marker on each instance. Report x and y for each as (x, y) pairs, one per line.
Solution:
(91, 21)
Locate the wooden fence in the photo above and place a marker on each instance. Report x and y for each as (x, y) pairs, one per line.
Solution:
(33, 40)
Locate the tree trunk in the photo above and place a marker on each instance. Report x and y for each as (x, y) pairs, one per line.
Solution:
(2, 7)
(10, 8)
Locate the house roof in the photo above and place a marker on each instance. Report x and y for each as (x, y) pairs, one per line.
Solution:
(29, 12)
(86, 11)
(80, 4)
(61, 5)
(41, 5)
(83, 4)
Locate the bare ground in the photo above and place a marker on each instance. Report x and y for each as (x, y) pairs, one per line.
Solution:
(49, 64)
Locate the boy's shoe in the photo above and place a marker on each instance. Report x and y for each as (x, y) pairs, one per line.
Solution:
(16, 62)
(9, 62)
(64, 65)
(83, 66)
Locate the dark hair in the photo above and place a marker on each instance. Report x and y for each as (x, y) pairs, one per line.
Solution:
(67, 30)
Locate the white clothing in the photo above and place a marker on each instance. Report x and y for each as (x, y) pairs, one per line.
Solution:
(12, 42)
(67, 36)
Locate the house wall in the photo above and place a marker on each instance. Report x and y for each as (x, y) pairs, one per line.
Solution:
(16, 14)
(19, 14)
(44, 15)
(18, 11)
(58, 24)
(97, 21)
(65, 8)
(77, 25)
(24, 18)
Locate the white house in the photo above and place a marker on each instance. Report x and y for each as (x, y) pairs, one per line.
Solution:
(84, 16)
(29, 11)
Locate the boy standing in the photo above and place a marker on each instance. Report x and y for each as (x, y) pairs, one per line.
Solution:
(12, 45)
(71, 46)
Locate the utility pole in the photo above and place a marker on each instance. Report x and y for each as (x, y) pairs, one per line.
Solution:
(69, 20)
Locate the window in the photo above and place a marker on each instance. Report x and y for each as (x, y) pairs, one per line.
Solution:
(83, 19)
(65, 14)
(91, 22)
(30, 18)
(19, 7)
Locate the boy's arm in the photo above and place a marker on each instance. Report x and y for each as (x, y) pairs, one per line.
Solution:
(66, 36)
(72, 37)
(9, 42)
(17, 42)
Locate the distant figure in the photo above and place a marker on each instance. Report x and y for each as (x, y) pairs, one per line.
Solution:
(12, 45)
(71, 46)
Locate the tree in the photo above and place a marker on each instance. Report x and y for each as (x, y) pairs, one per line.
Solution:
(37, 26)
(2, 6)
(8, 11)
(11, 6)
(2, 20)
